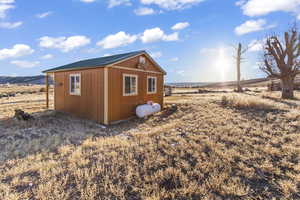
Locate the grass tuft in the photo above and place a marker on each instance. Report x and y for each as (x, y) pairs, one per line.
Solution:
(247, 102)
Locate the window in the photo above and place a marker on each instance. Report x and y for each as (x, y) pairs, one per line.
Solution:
(151, 82)
(75, 84)
(130, 85)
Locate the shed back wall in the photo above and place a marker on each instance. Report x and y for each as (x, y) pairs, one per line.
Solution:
(90, 104)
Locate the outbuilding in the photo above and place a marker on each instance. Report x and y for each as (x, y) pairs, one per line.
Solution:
(107, 89)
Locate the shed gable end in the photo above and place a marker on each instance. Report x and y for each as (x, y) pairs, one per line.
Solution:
(135, 63)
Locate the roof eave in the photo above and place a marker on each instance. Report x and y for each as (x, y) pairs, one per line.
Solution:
(109, 64)
(164, 72)
(142, 53)
(72, 69)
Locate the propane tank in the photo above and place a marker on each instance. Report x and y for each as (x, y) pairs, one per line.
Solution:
(147, 109)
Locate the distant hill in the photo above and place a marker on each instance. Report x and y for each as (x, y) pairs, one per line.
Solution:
(35, 80)
(189, 84)
(261, 81)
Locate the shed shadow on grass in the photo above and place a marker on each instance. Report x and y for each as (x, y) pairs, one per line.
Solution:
(50, 130)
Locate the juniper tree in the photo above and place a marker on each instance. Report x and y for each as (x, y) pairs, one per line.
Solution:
(281, 59)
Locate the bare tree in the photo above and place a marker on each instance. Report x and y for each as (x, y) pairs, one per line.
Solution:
(281, 59)
(239, 58)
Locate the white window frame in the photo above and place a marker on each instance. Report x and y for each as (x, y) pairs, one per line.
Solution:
(155, 85)
(70, 79)
(137, 85)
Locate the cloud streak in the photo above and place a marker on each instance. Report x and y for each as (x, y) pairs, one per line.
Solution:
(65, 44)
(17, 50)
(252, 26)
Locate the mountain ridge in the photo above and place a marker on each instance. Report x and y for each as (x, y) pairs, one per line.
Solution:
(34, 80)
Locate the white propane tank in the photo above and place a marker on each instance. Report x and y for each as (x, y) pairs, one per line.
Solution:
(147, 109)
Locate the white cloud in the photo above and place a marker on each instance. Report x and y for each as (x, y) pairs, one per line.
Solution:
(17, 50)
(5, 5)
(87, 1)
(47, 56)
(149, 35)
(65, 44)
(10, 25)
(4, 8)
(175, 59)
(117, 40)
(156, 34)
(258, 65)
(208, 50)
(252, 26)
(264, 7)
(172, 4)
(114, 3)
(144, 11)
(256, 45)
(214, 51)
(181, 72)
(25, 64)
(43, 15)
(180, 26)
(240, 2)
(7, 1)
(171, 37)
(157, 54)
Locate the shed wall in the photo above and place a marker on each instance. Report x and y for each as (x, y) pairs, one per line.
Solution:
(90, 104)
(123, 107)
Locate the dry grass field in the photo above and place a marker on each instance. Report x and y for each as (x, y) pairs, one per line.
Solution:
(215, 146)
(23, 97)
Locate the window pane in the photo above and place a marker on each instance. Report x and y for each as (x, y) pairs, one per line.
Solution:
(152, 86)
(127, 85)
(77, 82)
(72, 83)
(77, 79)
(149, 84)
(133, 84)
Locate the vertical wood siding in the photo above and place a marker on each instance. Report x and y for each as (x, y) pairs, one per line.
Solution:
(122, 107)
(90, 104)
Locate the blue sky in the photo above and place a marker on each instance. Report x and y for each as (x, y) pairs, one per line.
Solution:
(191, 39)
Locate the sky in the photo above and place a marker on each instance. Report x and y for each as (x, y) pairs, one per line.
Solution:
(193, 40)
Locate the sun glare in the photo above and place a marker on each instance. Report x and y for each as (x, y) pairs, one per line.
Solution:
(222, 63)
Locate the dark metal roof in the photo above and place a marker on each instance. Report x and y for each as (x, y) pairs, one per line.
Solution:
(95, 62)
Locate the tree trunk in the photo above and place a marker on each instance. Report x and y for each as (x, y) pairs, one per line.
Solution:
(238, 70)
(287, 88)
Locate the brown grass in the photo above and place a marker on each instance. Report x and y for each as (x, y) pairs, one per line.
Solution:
(203, 151)
(247, 102)
(29, 98)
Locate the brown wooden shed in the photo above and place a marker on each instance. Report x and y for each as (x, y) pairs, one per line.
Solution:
(107, 89)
